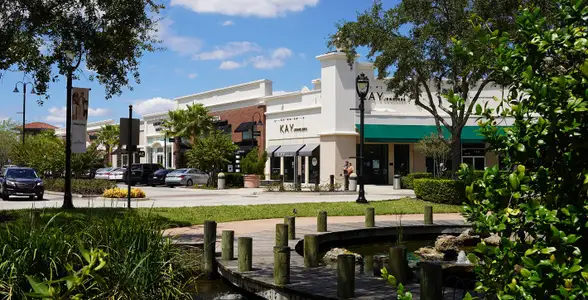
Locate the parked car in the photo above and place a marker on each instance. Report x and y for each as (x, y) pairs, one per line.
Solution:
(142, 173)
(187, 177)
(117, 174)
(20, 181)
(159, 176)
(103, 173)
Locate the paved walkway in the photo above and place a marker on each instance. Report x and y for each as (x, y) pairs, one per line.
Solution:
(320, 281)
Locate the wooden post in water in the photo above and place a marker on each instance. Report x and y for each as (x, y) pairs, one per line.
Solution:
(245, 254)
(368, 264)
(228, 245)
(321, 222)
(431, 281)
(370, 217)
(428, 215)
(398, 264)
(209, 249)
(281, 265)
(291, 221)
(345, 276)
(311, 251)
(282, 235)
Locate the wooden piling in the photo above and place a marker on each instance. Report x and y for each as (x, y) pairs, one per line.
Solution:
(209, 263)
(291, 221)
(282, 235)
(245, 254)
(311, 251)
(370, 217)
(281, 265)
(321, 222)
(428, 215)
(431, 281)
(345, 276)
(228, 245)
(368, 264)
(398, 264)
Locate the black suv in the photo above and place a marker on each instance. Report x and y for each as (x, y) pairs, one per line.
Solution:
(141, 173)
(20, 181)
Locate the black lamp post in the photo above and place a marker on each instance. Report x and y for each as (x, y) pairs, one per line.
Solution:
(24, 101)
(362, 86)
(254, 133)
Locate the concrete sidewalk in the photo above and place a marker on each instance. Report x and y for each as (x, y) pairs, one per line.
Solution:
(195, 233)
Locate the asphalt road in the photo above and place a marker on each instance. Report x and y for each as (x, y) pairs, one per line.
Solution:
(186, 197)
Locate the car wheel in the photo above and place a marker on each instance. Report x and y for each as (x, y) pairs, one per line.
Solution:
(189, 182)
(39, 196)
(153, 185)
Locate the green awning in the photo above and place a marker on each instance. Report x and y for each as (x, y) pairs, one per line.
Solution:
(377, 133)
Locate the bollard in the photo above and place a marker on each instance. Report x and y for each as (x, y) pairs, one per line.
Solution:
(209, 249)
(428, 215)
(398, 264)
(331, 183)
(346, 188)
(370, 217)
(353, 182)
(317, 182)
(298, 185)
(368, 264)
(221, 181)
(281, 265)
(282, 235)
(321, 222)
(245, 254)
(345, 276)
(291, 221)
(431, 281)
(311, 251)
(228, 245)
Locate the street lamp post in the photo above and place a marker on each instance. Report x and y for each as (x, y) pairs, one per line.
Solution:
(24, 101)
(362, 86)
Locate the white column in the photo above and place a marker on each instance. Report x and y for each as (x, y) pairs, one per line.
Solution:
(282, 166)
(306, 169)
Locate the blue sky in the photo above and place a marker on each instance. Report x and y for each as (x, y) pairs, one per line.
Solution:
(209, 44)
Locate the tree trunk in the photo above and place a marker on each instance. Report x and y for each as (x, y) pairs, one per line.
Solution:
(455, 152)
(177, 152)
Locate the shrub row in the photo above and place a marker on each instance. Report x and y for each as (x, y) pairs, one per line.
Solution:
(407, 181)
(79, 186)
(234, 179)
(445, 191)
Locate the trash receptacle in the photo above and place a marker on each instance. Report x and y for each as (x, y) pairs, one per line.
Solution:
(221, 181)
(397, 182)
(353, 182)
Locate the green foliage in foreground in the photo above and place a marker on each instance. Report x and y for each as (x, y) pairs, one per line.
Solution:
(139, 263)
(79, 186)
(540, 208)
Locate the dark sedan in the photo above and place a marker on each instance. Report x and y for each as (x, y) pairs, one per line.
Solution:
(158, 177)
(19, 181)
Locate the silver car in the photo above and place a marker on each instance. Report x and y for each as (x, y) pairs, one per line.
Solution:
(117, 174)
(186, 177)
(103, 173)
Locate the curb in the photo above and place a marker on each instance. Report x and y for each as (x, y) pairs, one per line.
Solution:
(73, 195)
(311, 193)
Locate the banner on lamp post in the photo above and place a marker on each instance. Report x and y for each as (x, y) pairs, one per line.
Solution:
(80, 98)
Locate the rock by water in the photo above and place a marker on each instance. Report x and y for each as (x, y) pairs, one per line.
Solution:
(429, 253)
(331, 256)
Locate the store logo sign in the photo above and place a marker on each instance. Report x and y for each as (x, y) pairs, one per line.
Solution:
(289, 128)
(380, 97)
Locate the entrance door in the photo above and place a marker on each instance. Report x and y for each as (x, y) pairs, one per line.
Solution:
(375, 164)
(401, 159)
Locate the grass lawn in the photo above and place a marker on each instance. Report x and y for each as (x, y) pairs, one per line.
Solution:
(185, 216)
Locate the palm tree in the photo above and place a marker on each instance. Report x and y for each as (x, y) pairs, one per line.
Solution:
(109, 137)
(190, 123)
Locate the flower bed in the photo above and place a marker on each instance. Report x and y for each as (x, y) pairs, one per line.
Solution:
(122, 193)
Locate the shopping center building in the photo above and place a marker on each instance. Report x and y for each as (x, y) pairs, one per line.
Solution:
(312, 132)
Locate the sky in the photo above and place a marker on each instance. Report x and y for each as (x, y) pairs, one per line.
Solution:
(209, 44)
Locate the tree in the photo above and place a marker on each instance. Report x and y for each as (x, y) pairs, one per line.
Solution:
(212, 153)
(434, 44)
(254, 162)
(190, 123)
(8, 140)
(539, 208)
(109, 137)
(434, 147)
(43, 152)
(91, 159)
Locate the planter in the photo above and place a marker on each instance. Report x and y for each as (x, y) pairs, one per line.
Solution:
(251, 181)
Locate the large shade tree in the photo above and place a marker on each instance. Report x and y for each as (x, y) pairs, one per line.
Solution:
(433, 45)
(53, 38)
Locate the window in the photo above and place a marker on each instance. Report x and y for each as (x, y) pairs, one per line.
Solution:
(477, 162)
(125, 160)
(247, 135)
(474, 155)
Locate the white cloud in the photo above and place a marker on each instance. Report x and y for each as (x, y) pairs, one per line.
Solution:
(229, 50)
(144, 107)
(192, 75)
(228, 23)
(276, 60)
(255, 8)
(184, 45)
(57, 114)
(230, 65)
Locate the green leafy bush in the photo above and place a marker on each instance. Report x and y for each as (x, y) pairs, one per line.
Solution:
(253, 163)
(79, 186)
(234, 179)
(445, 191)
(140, 263)
(407, 181)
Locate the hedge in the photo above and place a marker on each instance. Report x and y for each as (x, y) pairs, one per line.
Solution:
(234, 179)
(407, 181)
(79, 186)
(445, 191)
